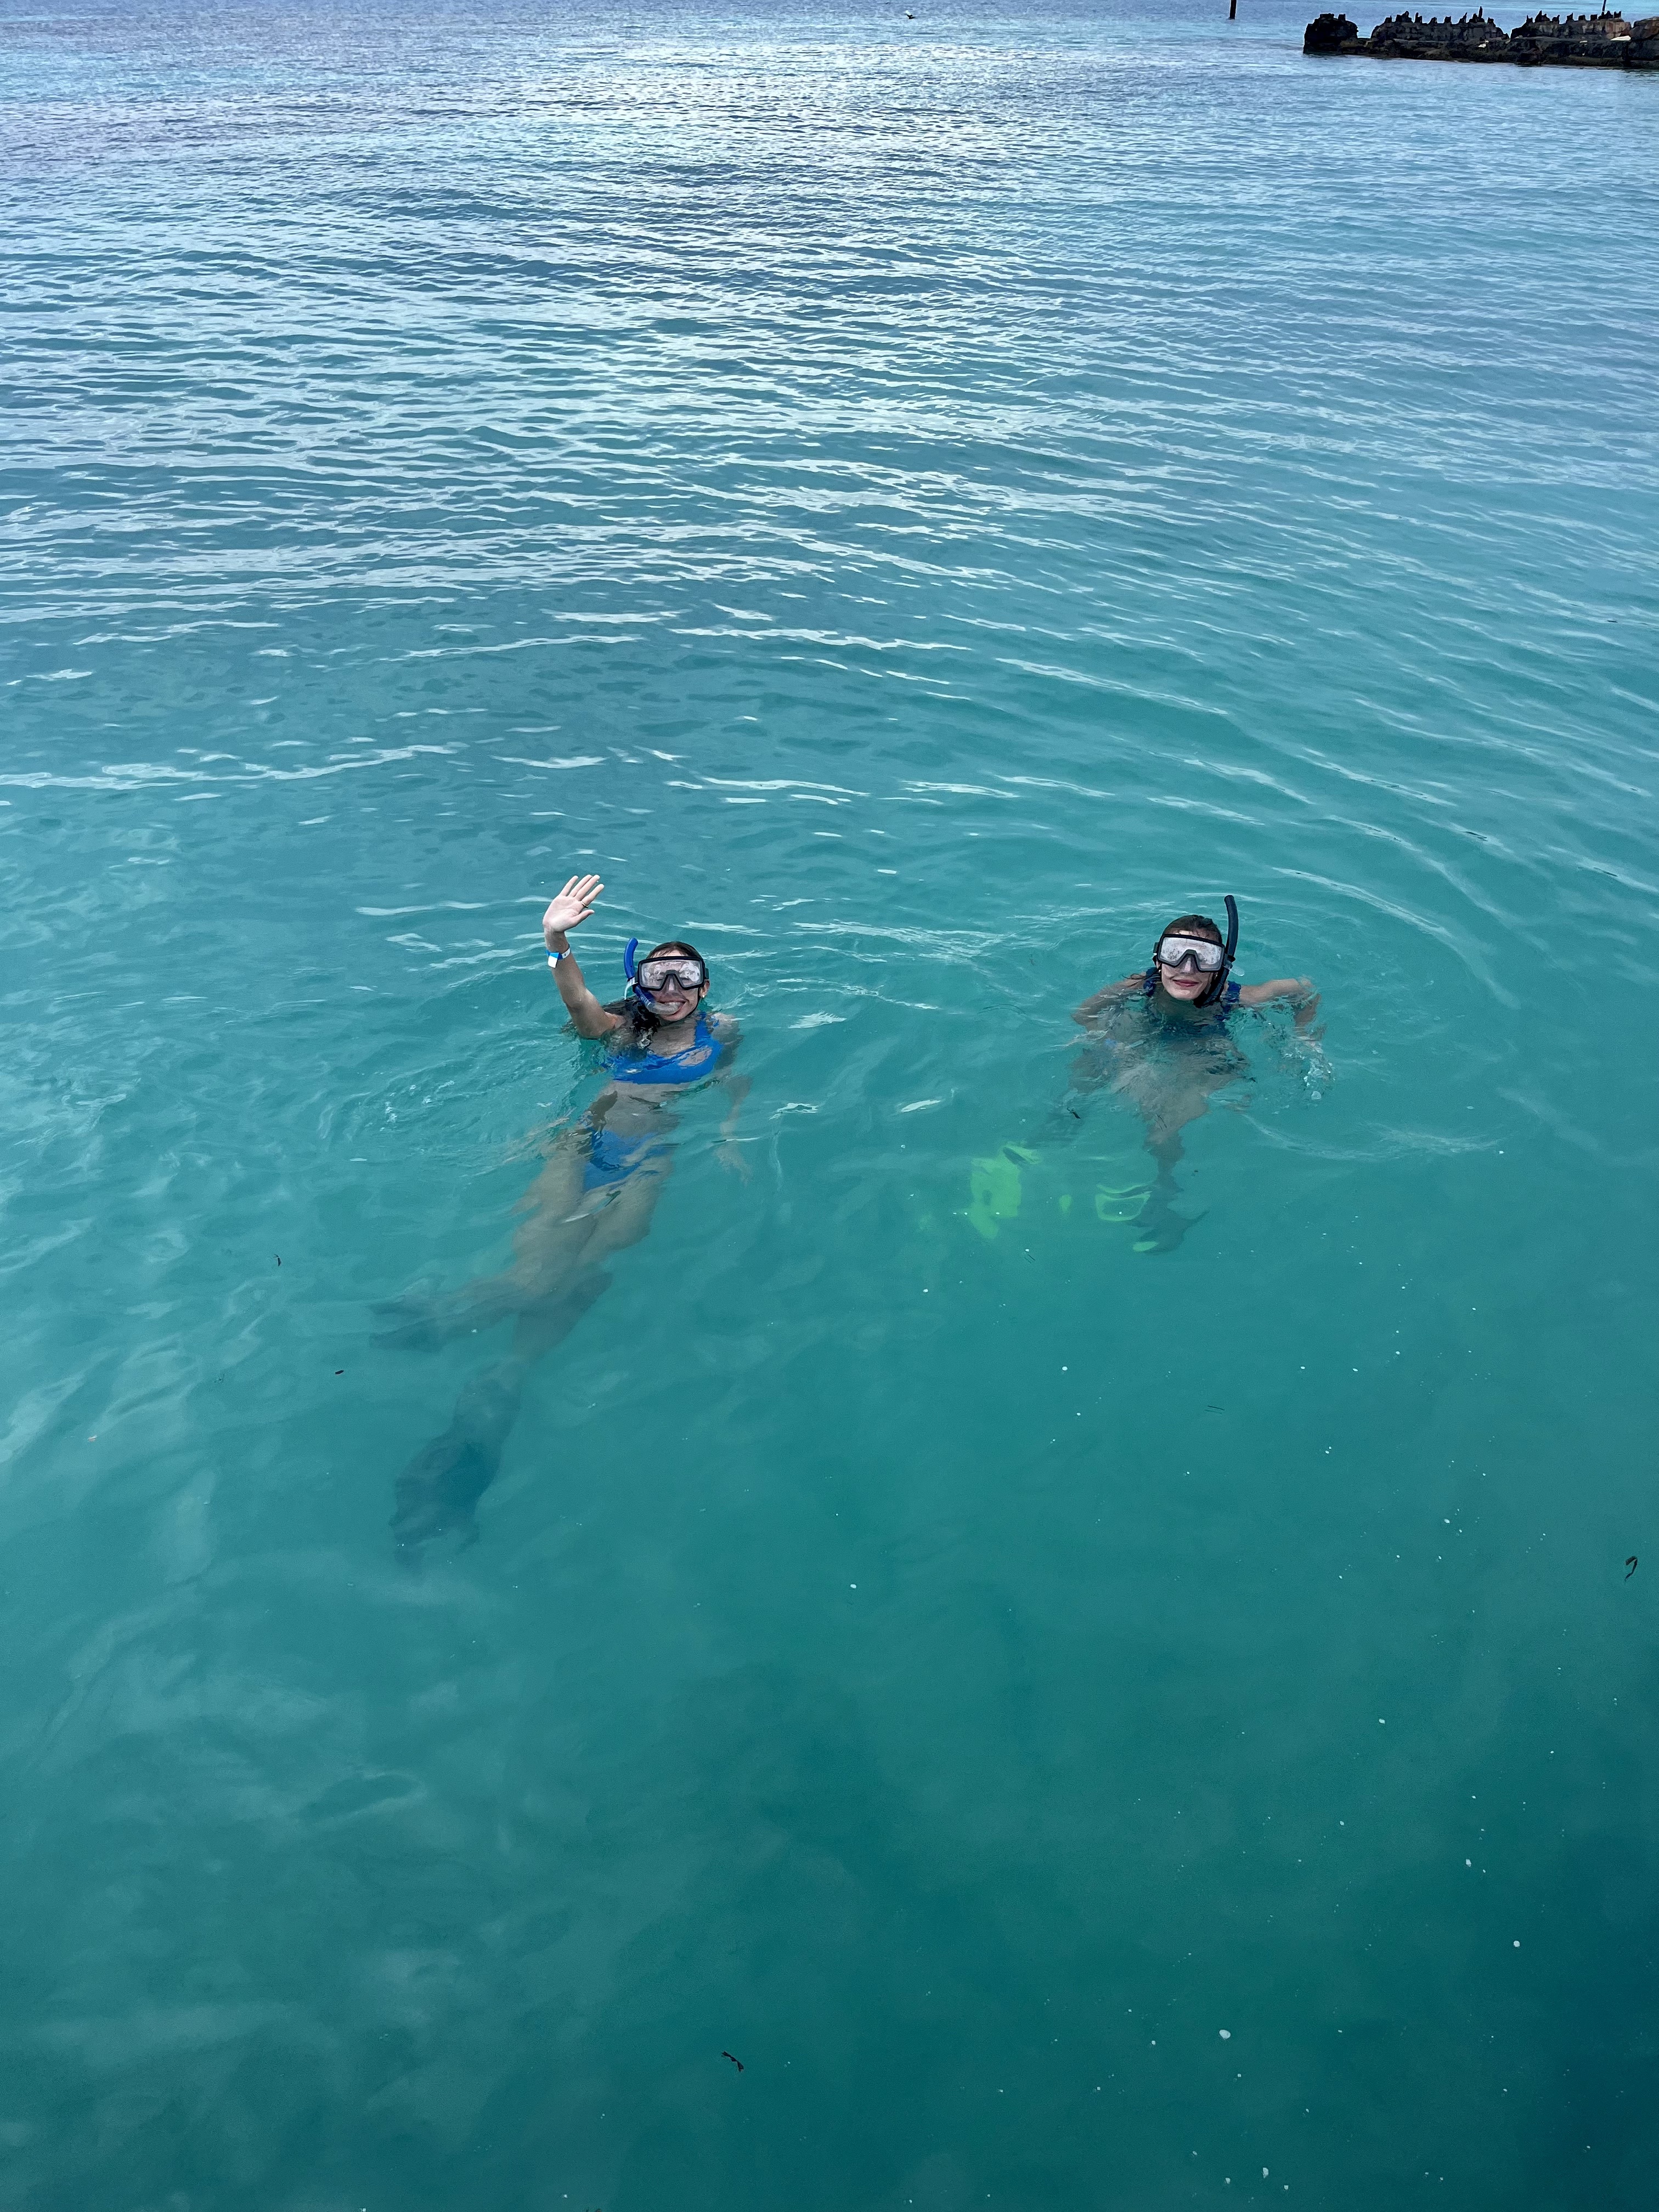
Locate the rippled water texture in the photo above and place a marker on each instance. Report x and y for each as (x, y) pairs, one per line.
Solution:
(913, 504)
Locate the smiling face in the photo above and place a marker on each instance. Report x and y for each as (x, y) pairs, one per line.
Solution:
(1187, 983)
(673, 1002)
(1197, 938)
(665, 984)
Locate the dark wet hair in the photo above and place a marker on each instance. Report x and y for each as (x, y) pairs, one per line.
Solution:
(1192, 924)
(675, 944)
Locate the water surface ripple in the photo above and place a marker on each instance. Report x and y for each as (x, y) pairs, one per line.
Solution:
(913, 504)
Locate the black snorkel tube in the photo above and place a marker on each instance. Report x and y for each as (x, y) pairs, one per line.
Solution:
(1219, 984)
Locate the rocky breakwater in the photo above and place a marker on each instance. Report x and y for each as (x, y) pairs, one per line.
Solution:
(1570, 41)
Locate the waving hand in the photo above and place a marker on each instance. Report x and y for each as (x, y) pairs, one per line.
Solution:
(572, 906)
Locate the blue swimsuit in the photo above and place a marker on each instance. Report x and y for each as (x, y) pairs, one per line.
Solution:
(612, 1159)
(643, 1068)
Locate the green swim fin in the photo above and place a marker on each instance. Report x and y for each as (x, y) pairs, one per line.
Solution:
(1123, 1203)
(993, 1187)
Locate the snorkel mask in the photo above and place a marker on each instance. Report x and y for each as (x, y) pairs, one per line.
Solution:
(647, 976)
(1201, 955)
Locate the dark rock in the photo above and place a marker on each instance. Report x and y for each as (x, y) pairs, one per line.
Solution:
(1470, 39)
(1332, 34)
(1605, 41)
(1579, 41)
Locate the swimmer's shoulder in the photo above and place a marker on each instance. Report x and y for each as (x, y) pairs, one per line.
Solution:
(1299, 987)
(1115, 994)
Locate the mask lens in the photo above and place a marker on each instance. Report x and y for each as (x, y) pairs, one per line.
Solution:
(657, 975)
(1190, 953)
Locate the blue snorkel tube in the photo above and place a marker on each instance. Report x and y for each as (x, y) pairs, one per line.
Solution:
(1220, 985)
(634, 1003)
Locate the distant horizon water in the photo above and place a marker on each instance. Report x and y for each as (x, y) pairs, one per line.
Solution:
(972, 1686)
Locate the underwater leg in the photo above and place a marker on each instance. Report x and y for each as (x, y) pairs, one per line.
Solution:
(438, 1493)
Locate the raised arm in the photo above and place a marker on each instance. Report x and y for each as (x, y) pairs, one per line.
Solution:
(572, 907)
(1298, 989)
(1113, 995)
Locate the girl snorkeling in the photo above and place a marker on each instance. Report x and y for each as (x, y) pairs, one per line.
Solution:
(595, 1196)
(1192, 969)
(1160, 1041)
(1162, 1044)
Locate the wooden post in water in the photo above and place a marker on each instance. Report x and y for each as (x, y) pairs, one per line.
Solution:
(1232, 11)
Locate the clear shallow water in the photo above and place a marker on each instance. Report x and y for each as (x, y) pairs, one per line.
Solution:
(913, 504)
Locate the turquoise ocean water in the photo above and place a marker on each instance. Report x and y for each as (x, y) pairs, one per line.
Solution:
(913, 504)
